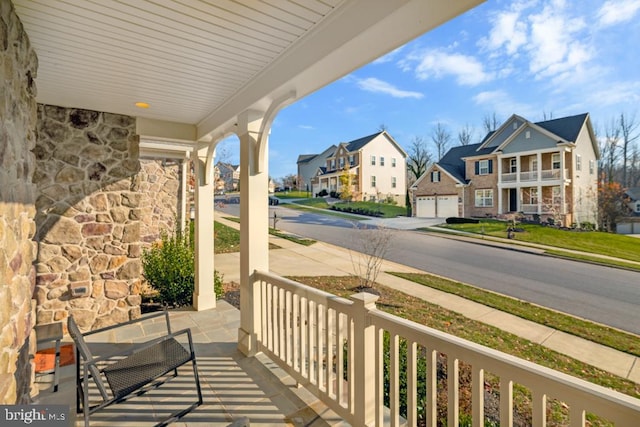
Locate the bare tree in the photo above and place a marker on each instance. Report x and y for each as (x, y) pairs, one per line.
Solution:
(418, 159)
(441, 137)
(490, 122)
(609, 150)
(547, 116)
(628, 129)
(465, 135)
(383, 127)
(372, 244)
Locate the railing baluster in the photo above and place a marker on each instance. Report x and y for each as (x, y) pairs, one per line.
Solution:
(539, 411)
(269, 310)
(412, 384)
(453, 390)
(313, 357)
(280, 327)
(340, 358)
(322, 354)
(304, 339)
(379, 349)
(431, 406)
(477, 395)
(288, 320)
(394, 378)
(297, 323)
(506, 402)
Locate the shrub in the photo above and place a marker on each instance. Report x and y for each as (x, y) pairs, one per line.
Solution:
(322, 193)
(456, 220)
(168, 266)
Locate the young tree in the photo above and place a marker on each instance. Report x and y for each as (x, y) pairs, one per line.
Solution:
(418, 159)
(441, 137)
(373, 244)
(346, 183)
(465, 135)
(628, 129)
(610, 204)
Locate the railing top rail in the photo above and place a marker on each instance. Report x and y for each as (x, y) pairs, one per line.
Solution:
(499, 363)
(301, 289)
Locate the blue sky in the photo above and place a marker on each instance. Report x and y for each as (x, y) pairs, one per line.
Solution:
(533, 57)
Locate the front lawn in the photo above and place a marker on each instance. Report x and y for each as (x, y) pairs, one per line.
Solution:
(295, 194)
(596, 242)
(386, 210)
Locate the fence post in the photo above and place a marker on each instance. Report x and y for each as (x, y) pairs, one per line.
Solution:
(364, 372)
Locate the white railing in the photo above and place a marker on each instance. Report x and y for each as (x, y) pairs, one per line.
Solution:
(350, 355)
(509, 177)
(527, 208)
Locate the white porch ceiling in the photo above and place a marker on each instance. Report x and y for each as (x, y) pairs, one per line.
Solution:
(201, 62)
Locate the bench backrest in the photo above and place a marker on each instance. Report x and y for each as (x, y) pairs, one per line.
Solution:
(84, 351)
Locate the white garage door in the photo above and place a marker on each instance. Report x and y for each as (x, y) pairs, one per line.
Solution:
(437, 206)
(447, 206)
(426, 206)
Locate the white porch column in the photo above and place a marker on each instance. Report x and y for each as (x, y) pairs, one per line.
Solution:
(204, 296)
(184, 206)
(539, 199)
(539, 166)
(518, 170)
(254, 224)
(499, 160)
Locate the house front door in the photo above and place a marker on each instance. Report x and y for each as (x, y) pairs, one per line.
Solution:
(513, 200)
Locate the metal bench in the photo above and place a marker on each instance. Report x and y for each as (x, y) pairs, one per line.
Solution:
(133, 371)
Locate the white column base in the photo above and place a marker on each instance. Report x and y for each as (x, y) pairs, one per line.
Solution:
(204, 301)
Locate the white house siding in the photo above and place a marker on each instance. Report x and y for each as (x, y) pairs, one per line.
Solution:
(585, 183)
(381, 146)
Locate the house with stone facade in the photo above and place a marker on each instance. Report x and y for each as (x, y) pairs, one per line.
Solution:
(376, 166)
(545, 170)
(94, 152)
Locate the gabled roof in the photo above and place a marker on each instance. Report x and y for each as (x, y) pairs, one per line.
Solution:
(453, 160)
(568, 128)
(357, 144)
(304, 158)
(633, 193)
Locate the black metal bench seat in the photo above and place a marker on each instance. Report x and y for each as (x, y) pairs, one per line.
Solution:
(133, 371)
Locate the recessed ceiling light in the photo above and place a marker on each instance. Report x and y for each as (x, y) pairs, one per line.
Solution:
(142, 105)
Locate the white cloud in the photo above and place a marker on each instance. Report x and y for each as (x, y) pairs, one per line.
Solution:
(615, 12)
(306, 127)
(508, 31)
(500, 102)
(371, 84)
(556, 44)
(437, 64)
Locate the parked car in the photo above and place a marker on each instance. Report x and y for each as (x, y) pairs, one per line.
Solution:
(273, 201)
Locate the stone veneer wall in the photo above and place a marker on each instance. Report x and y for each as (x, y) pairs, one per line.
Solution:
(18, 68)
(160, 188)
(88, 217)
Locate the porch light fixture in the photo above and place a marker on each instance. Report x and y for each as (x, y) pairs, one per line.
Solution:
(142, 105)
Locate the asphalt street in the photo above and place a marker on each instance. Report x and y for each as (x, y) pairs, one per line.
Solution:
(602, 294)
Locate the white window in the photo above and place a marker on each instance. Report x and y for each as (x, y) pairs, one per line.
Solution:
(555, 161)
(592, 167)
(373, 160)
(513, 165)
(484, 198)
(527, 134)
(381, 161)
(534, 165)
(435, 176)
(341, 162)
(533, 196)
(393, 162)
(373, 181)
(393, 182)
(351, 159)
(333, 164)
(578, 162)
(483, 167)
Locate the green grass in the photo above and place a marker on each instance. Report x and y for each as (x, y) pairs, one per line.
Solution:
(596, 242)
(593, 259)
(337, 214)
(272, 231)
(604, 335)
(227, 239)
(316, 202)
(292, 195)
(388, 210)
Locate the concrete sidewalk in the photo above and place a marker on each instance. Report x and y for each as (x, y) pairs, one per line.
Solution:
(322, 259)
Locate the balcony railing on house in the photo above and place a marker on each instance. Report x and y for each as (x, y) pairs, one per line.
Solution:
(528, 176)
(350, 355)
(543, 209)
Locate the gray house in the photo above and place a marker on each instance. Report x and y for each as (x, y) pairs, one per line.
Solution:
(308, 165)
